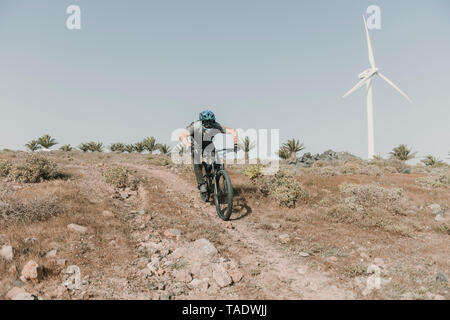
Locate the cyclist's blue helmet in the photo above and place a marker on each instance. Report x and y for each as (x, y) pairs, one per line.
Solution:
(207, 115)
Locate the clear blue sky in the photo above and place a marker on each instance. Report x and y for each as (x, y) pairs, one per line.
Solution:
(140, 68)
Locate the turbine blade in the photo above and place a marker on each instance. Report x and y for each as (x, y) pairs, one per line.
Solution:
(394, 86)
(357, 86)
(369, 45)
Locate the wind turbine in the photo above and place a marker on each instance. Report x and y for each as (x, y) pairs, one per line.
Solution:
(366, 78)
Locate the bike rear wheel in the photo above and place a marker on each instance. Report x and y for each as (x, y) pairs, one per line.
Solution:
(223, 195)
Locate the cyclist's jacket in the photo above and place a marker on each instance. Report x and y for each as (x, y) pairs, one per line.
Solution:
(202, 136)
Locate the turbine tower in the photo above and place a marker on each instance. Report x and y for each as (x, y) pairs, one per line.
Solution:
(366, 78)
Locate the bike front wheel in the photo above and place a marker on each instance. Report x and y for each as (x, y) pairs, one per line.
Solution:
(223, 195)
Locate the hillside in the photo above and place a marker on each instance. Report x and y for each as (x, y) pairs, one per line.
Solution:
(132, 226)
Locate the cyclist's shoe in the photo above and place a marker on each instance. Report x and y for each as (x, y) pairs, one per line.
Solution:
(203, 188)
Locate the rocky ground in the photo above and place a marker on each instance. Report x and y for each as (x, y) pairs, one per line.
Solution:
(93, 240)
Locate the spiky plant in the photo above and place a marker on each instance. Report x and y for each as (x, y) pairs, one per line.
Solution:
(246, 145)
(117, 147)
(429, 160)
(164, 148)
(293, 146)
(129, 148)
(377, 157)
(139, 147)
(402, 152)
(66, 148)
(84, 147)
(181, 149)
(95, 146)
(150, 144)
(283, 153)
(46, 141)
(33, 145)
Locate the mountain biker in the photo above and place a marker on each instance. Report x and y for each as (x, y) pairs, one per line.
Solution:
(202, 131)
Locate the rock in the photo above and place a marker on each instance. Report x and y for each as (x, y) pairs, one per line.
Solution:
(19, 283)
(276, 225)
(304, 254)
(25, 296)
(51, 254)
(379, 262)
(61, 262)
(373, 268)
(172, 233)
(77, 228)
(333, 259)
(13, 270)
(31, 271)
(198, 284)
(73, 280)
(124, 194)
(236, 275)
(6, 252)
(221, 276)
(182, 276)
(302, 269)
(14, 292)
(146, 272)
(441, 278)
(284, 238)
(108, 214)
(439, 218)
(434, 207)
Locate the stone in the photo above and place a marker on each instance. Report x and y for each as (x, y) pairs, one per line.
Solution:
(14, 292)
(31, 271)
(304, 254)
(13, 270)
(73, 279)
(51, 254)
(439, 218)
(61, 262)
(276, 225)
(182, 276)
(108, 214)
(198, 284)
(77, 228)
(221, 276)
(302, 270)
(333, 259)
(434, 207)
(6, 252)
(284, 238)
(172, 233)
(25, 296)
(441, 278)
(235, 274)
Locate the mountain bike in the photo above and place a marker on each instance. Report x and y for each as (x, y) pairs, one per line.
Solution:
(218, 183)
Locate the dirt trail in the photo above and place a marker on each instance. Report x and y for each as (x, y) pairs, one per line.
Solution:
(281, 274)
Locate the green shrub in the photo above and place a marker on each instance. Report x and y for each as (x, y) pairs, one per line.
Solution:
(437, 179)
(283, 189)
(5, 168)
(34, 169)
(13, 209)
(253, 171)
(361, 197)
(122, 177)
